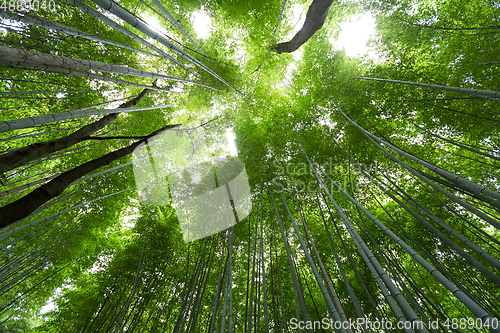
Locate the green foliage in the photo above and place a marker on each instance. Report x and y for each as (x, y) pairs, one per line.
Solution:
(110, 262)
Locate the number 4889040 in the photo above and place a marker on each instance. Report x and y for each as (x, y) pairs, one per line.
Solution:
(27, 5)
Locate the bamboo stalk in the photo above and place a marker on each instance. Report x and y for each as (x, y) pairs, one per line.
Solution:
(10, 125)
(176, 24)
(133, 21)
(487, 94)
(48, 61)
(477, 310)
(331, 308)
(91, 11)
(59, 27)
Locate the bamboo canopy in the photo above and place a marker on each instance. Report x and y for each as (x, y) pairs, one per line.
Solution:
(334, 192)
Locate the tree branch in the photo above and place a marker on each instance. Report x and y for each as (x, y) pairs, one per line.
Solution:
(315, 18)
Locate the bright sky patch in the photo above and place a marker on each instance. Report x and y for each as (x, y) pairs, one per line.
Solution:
(231, 144)
(355, 34)
(202, 24)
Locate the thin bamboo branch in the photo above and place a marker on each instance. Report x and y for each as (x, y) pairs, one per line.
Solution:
(176, 24)
(487, 94)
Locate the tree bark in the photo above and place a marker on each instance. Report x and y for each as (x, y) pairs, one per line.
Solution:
(315, 18)
(25, 186)
(23, 207)
(21, 156)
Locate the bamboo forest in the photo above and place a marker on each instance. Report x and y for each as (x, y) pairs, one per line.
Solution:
(231, 166)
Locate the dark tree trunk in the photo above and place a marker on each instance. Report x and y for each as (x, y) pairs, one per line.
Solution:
(21, 156)
(28, 204)
(315, 17)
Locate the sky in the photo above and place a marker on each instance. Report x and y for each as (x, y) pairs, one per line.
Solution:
(354, 35)
(231, 144)
(202, 23)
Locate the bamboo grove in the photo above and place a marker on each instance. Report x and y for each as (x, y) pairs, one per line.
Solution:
(374, 182)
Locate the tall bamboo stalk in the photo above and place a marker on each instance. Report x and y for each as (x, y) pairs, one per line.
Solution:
(331, 308)
(476, 309)
(37, 21)
(439, 234)
(459, 181)
(47, 61)
(91, 11)
(139, 25)
(230, 282)
(10, 125)
(326, 277)
(251, 313)
(482, 253)
(76, 72)
(264, 287)
(354, 299)
(217, 294)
